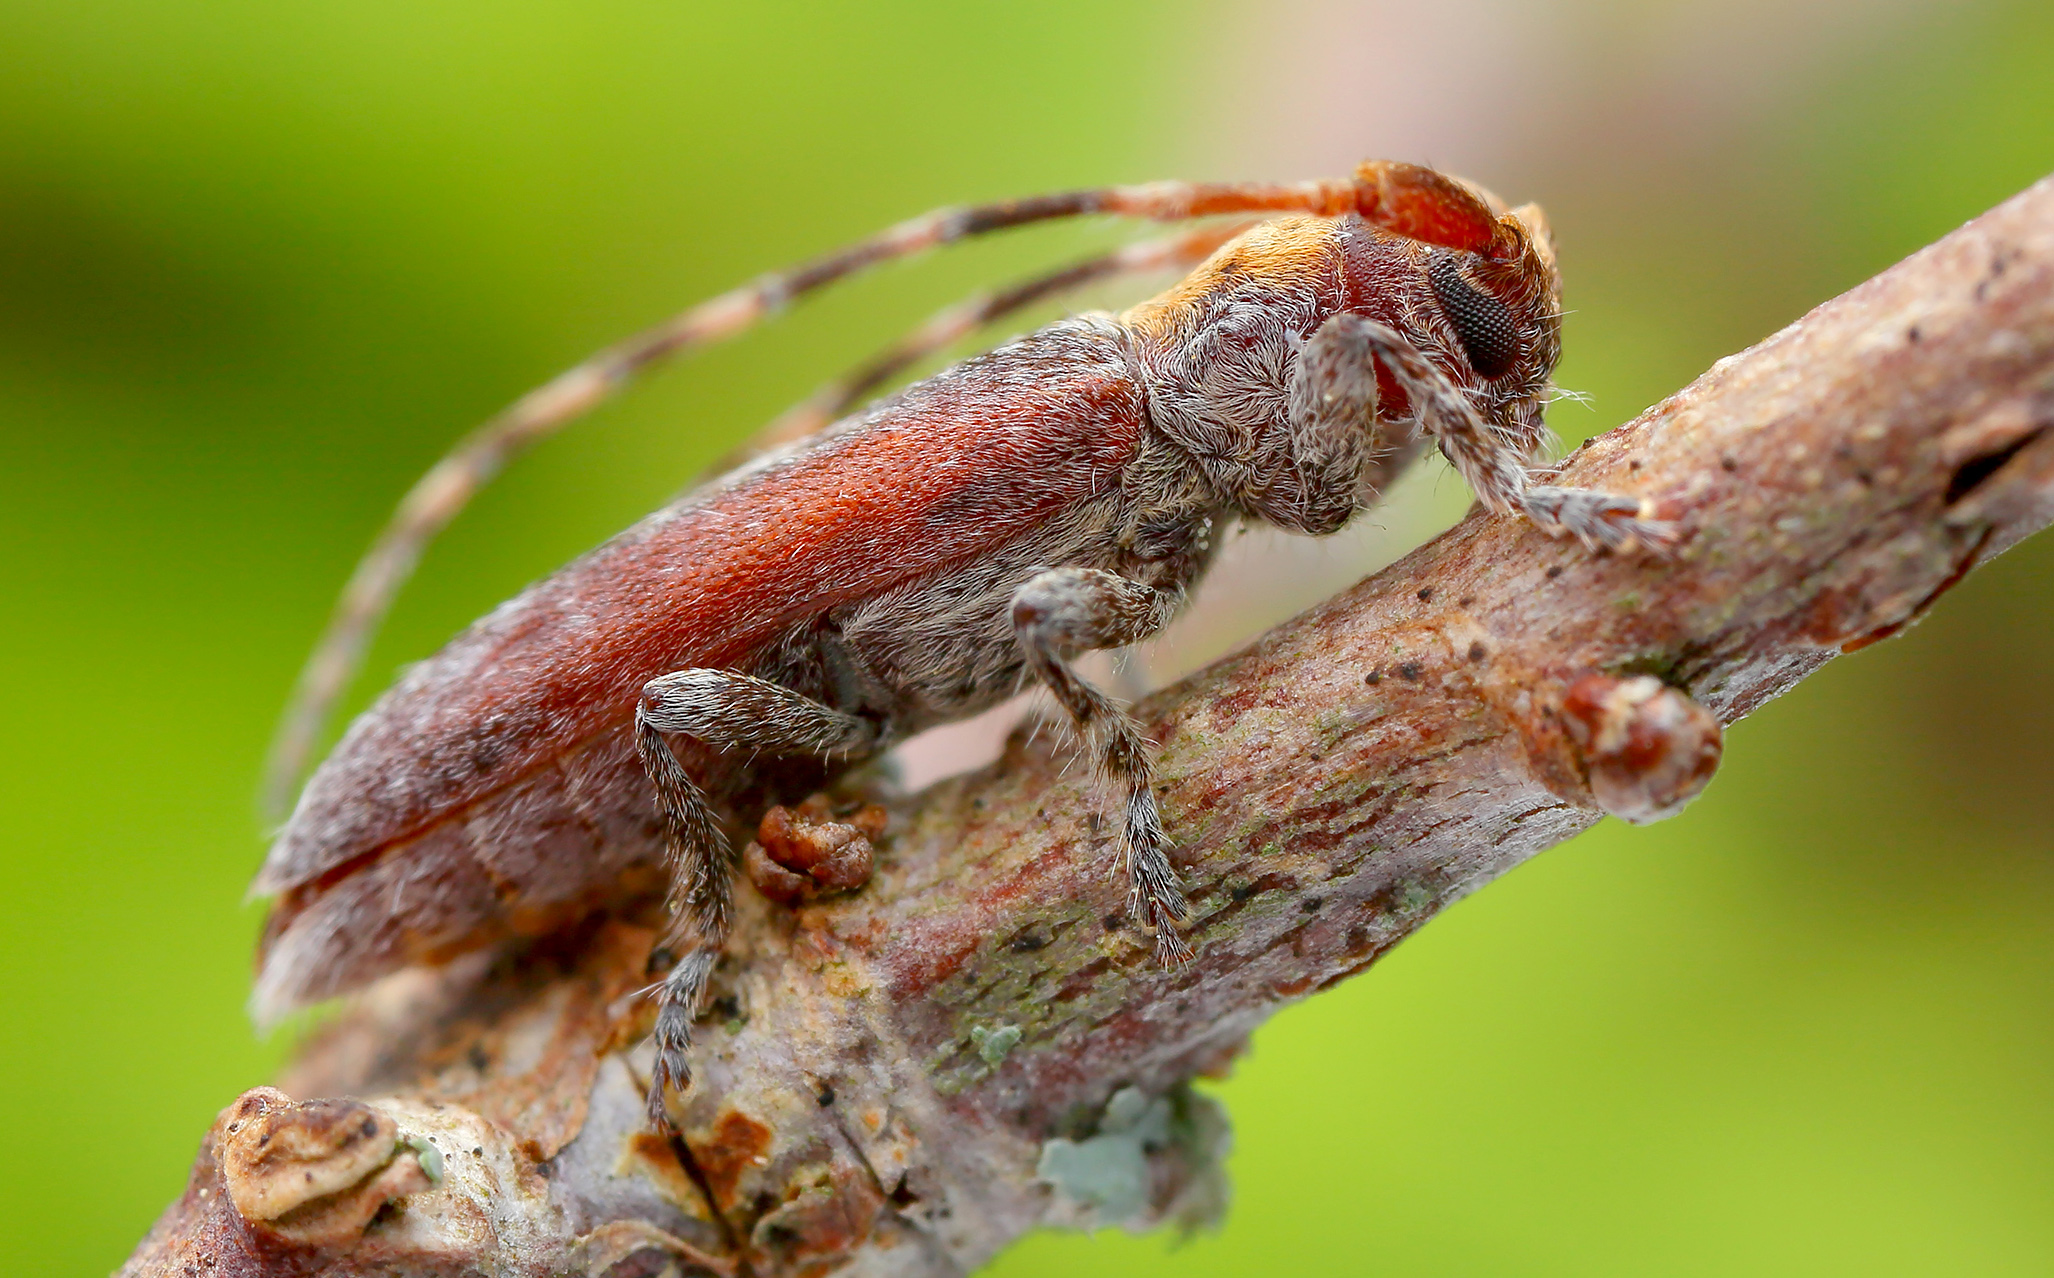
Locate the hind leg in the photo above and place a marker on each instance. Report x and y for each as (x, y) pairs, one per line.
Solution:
(723, 709)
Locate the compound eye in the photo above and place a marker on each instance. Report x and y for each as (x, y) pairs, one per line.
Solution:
(1489, 336)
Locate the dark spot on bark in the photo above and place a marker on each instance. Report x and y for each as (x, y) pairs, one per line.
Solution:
(1912, 334)
(1027, 942)
(1242, 894)
(1426, 594)
(1865, 479)
(477, 1151)
(546, 1171)
(1311, 905)
(1633, 464)
(824, 1098)
(1465, 601)
(1373, 678)
(1554, 572)
(1476, 650)
(1971, 474)
(263, 1140)
(1357, 941)
(1728, 464)
(369, 1129)
(1114, 922)
(902, 1195)
(1082, 980)
(1410, 671)
(478, 1059)
(1998, 261)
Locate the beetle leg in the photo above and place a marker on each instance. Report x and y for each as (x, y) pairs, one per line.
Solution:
(721, 708)
(1338, 452)
(700, 904)
(725, 709)
(1057, 615)
(1494, 466)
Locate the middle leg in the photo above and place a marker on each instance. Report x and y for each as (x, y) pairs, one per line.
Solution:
(1067, 611)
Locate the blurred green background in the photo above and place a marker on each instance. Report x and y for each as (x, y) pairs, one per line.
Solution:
(260, 263)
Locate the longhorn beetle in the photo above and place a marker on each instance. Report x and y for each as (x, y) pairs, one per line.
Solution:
(910, 565)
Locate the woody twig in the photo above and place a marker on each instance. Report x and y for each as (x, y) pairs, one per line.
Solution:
(906, 1077)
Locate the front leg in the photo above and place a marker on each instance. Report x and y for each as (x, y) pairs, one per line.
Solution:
(721, 708)
(1312, 475)
(1067, 611)
(1494, 464)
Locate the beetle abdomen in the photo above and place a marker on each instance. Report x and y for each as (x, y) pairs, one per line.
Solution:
(497, 776)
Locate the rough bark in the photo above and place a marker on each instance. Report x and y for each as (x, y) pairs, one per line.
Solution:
(903, 1079)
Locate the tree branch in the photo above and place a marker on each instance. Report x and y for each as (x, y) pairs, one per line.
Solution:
(907, 1078)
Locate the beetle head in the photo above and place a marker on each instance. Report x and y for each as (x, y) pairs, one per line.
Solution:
(1496, 320)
